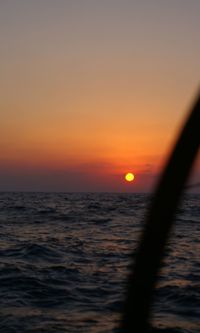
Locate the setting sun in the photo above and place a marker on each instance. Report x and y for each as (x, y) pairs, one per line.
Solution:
(129, 177)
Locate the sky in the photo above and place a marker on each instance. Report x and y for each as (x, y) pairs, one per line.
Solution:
(92, 89)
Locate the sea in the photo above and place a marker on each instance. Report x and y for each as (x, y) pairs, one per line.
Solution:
(65, 258)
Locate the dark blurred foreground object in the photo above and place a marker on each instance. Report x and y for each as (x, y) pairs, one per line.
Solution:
(142, 279)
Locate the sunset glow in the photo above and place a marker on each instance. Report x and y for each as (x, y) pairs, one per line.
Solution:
(88, 91)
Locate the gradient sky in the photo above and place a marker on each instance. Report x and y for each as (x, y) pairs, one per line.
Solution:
(91, 89)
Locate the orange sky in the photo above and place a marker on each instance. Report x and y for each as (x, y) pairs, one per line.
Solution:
(90, 90)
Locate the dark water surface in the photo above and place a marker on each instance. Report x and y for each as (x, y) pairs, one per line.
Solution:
(64, 261)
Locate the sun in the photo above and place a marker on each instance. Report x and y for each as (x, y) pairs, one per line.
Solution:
(129, 177)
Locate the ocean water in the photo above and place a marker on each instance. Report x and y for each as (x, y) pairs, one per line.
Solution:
(64, 260)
